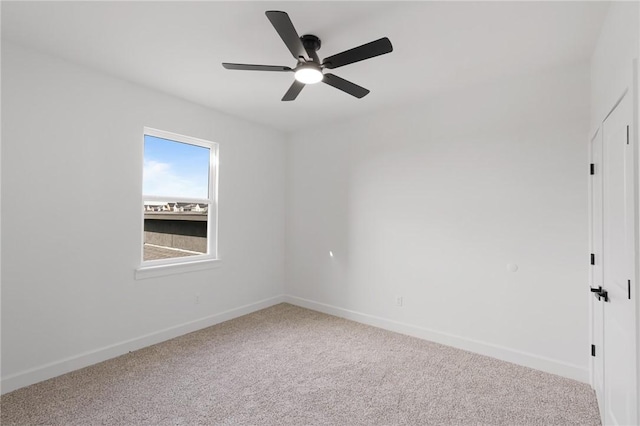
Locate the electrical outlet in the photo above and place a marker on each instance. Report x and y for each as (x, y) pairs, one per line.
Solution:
(197, 299)
(398, 300)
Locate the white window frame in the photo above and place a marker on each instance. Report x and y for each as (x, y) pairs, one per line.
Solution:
(160, 267)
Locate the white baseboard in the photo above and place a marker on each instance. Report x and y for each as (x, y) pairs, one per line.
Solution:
(537, 362)
(48, 371)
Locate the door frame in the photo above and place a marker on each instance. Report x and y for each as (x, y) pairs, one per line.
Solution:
(635, 147)
(594, 278)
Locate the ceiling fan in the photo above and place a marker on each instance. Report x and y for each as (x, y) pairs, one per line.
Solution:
(309, 68)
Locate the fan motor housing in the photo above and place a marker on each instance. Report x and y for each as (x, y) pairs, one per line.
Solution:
(310, 42)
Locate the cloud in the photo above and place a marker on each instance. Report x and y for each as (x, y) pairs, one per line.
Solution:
(160, 179)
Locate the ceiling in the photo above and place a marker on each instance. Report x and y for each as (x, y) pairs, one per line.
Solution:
(178, 47)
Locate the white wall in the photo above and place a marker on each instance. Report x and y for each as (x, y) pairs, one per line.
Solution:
(615, 49)
(431, 202)
(71, 218)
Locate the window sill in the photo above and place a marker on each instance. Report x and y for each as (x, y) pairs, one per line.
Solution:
(144, 272)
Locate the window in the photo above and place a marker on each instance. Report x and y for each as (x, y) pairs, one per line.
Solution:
(179, 201)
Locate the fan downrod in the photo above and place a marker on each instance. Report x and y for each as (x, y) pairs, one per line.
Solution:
(310, 42)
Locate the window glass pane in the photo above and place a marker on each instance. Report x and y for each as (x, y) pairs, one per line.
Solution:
(174, 229)
(175, 172)
(175, 169)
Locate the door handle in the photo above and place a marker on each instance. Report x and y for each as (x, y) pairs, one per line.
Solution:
(600, 293)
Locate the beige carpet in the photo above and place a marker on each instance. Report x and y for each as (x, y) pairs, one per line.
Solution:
(290, 366)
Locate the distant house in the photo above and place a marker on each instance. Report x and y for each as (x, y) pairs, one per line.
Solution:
(174, 207)
(156, 206)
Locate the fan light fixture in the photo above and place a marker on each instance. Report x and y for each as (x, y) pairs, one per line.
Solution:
(308, 74)
(309, 69)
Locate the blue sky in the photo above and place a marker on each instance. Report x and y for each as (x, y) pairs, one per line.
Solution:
(175, 169)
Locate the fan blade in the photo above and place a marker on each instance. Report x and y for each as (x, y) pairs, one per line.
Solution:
(248, 67)
(287, 32)
(293, 91)
(360, 53)
(345, 86)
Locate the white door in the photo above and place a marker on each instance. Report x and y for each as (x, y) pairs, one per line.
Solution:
(596, 276)
(620, 398)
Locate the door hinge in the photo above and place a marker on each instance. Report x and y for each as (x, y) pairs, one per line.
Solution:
(593, 350)
(627, 134)
(593, 259)
(592, 169)
(629, 288)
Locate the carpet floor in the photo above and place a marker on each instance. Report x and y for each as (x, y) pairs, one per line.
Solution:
(287, 365)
